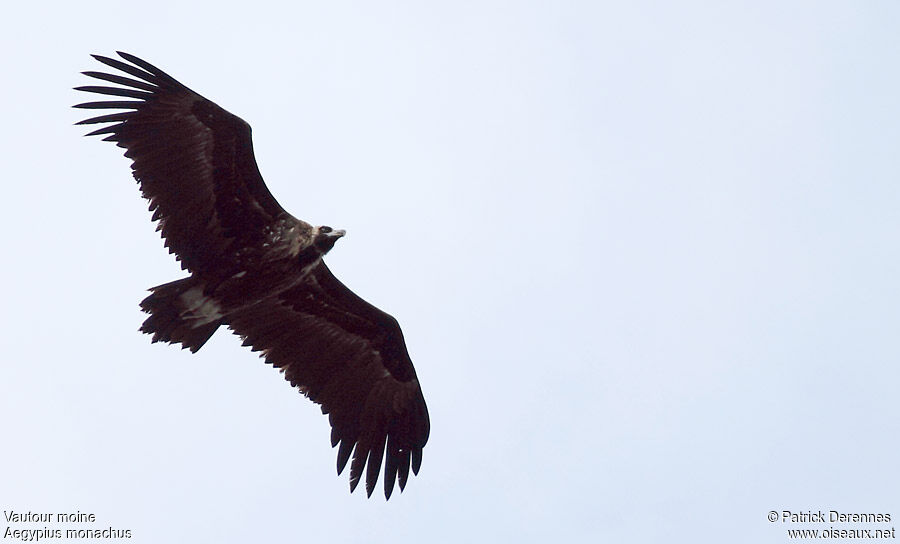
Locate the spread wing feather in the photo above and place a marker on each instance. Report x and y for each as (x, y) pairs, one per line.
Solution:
(194, 162)
(350, 357)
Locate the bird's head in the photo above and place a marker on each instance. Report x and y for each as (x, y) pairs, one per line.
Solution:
(325, 237)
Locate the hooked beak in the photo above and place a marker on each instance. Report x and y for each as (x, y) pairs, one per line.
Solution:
(326, 238)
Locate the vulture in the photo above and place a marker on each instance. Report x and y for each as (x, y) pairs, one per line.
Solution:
(258, 270)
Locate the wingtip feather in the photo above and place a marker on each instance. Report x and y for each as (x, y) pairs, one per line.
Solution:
(343, 455)
(416, 460)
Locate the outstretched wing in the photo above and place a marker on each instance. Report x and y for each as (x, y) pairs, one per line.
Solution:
(350, 357)
(194, 161)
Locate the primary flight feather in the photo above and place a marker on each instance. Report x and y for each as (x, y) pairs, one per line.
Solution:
(258, 270)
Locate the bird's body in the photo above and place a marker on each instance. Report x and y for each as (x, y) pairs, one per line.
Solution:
(258, 270)
(247, 275)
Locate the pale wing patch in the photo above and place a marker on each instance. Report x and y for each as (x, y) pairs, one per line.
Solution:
(199, 309)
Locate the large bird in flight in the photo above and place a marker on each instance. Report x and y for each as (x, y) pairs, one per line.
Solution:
(258, 270)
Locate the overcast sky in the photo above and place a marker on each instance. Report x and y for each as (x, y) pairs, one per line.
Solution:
(645, 256)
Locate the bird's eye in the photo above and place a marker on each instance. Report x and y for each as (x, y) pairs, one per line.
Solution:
(324, 230)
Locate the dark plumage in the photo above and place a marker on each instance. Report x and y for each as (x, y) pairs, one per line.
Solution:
(259, 271)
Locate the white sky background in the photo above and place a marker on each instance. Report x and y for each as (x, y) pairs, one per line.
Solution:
(645, 258)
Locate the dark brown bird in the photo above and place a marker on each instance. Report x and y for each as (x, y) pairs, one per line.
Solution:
(258, 270)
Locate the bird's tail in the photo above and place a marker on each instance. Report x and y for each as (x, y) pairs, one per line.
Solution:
(180, 313)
